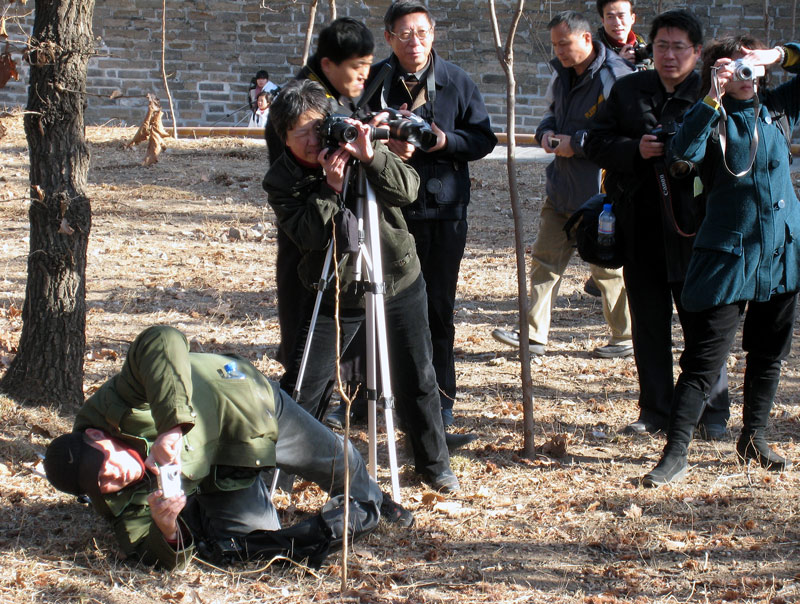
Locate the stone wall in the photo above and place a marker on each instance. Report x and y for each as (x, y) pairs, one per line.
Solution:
(214, 47)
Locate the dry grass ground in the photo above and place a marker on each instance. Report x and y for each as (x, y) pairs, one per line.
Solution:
(190, 242)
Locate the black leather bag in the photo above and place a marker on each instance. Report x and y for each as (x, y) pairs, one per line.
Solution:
(583, 226)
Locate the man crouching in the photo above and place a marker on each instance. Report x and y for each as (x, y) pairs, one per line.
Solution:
(216, 422)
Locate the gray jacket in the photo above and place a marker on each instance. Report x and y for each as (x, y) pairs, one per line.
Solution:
(570, 107)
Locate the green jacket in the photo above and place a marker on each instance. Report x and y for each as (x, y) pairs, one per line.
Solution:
(305, 207)
(226, 423)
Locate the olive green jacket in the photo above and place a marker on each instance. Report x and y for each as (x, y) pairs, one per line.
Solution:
(306, 208)
(226, 423)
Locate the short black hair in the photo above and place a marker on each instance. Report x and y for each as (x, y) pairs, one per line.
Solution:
(574, 21)
(724, 48)
(601, 4)
(679, 19)
(401, 8)
(295, 99)
(344, 39)
(262, 73)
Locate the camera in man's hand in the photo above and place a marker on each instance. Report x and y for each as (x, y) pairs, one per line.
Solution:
(169, 480)
(742, 70)
(678, 168)
(641, 52)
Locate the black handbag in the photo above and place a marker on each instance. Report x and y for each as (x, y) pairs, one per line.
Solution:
(584, 224)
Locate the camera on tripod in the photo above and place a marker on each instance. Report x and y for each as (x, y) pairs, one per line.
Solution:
(742, 70)
(678, 168)
(335, 130)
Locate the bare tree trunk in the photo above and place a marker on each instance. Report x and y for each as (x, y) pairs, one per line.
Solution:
(333, 10)
(505, 54)
(164, 68)
(49, 365)
(312, 15)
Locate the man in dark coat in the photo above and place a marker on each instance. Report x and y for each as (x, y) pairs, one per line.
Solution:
(447, 99)
(621, 141)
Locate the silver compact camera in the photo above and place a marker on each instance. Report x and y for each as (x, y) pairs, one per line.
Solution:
(742, 70)
(169, 480)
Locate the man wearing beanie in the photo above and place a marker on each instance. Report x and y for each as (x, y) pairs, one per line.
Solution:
(216, 418)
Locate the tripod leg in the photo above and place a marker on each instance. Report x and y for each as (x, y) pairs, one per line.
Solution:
(376, 315)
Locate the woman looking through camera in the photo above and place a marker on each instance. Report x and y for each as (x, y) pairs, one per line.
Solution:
(746, 258)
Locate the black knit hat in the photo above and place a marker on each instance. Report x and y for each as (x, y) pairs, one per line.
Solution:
(72, 465)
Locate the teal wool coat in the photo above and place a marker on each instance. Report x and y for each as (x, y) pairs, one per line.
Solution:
(747, 246)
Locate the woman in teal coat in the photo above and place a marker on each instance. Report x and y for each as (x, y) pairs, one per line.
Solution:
(745, 258)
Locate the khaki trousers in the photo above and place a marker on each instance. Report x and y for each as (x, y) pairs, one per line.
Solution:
(552, 252)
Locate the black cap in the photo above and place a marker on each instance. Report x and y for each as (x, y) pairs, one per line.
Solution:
(72, 465)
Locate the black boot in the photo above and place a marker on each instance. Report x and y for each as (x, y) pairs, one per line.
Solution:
(687, 408)
(759, 393)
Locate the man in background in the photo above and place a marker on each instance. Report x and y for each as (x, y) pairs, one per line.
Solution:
(616, 32)
(444, 96)
(584, 72)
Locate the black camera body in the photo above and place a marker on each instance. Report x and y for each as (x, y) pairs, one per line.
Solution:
(334, 130)
(678, 168)
(641, 52)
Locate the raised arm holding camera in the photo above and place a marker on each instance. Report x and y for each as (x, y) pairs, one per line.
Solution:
(746, 258)
(311, 198)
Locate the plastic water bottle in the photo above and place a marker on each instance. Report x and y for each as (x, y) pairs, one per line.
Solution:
(606, 225)
(232, 372)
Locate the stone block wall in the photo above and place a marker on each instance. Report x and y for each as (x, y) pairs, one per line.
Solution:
(214, 47)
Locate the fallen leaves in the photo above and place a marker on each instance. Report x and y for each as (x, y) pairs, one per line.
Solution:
(152, 130)
(8, 67)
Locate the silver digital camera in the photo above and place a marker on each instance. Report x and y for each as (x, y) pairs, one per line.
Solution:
(742, 70)
(169, 480)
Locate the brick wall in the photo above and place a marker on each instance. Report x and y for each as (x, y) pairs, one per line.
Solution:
(214, 47)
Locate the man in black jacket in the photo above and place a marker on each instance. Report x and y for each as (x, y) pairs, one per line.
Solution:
(622, 141)
(446, 98)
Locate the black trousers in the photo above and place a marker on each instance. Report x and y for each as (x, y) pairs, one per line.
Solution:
(440, 247)
(410, 367)
(650, 299)
(766, 338)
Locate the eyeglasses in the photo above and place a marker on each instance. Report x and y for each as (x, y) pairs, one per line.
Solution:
(677, 49)
(406, 34)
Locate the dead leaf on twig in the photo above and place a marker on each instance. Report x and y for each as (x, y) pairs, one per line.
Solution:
(115, 94)
(152, 130)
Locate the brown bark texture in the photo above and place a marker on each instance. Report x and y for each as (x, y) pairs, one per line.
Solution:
(48, 368)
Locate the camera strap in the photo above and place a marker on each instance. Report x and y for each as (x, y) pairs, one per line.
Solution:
(665, 194)
(721, 126)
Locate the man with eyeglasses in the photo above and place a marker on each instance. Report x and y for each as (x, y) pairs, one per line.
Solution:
(442, 94)
(655, 225)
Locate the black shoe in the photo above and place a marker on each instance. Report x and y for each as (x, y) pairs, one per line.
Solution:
(752, 446)
(712, 431)
(456, 441)
(445, 481)
(641, 427)
(671, 468)
(590, 287)
(335, 419)
(394, 513)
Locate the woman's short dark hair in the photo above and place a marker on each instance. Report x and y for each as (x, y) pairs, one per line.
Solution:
(679, 19)
(295, 99)
(401, 8)
(344, 39)
(576, 23)
(724, 48)
(262, 74)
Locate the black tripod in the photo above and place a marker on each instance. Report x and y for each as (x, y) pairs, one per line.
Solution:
(369, 271)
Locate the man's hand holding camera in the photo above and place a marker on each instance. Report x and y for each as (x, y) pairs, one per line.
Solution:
(168, 500)
(557, 144)
(402, 148)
